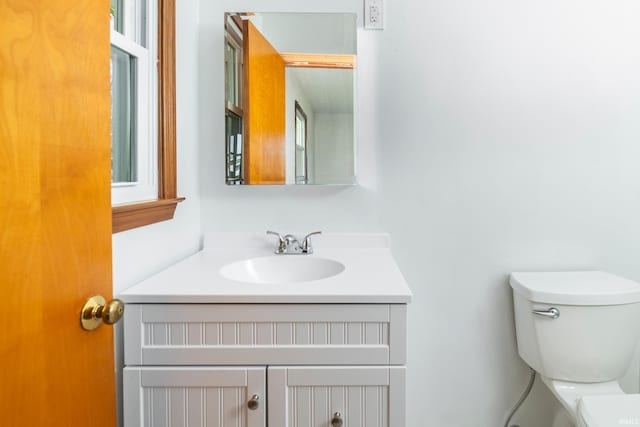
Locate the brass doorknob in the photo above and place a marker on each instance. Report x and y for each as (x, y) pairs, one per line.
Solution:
(96, 310)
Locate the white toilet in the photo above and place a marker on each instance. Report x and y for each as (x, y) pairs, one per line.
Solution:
(579, 331)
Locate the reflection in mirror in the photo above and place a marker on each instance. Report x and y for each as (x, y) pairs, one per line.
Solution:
(289, 98)
(301, 145)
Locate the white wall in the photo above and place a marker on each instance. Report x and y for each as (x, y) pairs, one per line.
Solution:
(141, 252)
(520, 145)
(493, 136)
(333, 154)
(295, 92)
(311, 33)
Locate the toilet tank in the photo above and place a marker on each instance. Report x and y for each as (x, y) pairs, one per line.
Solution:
(595, 335)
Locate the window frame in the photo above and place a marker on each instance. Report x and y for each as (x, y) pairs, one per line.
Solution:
(234, 158)
(302, 116)
(145, 185)
(133, 215)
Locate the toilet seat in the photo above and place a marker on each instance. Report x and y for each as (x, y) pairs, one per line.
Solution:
(609, 410)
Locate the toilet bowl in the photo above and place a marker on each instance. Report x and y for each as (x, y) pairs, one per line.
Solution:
(579, 330)
(596, 404)
(609, 411)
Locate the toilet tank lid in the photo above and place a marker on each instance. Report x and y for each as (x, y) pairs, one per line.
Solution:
(610, 410)
(576, 288)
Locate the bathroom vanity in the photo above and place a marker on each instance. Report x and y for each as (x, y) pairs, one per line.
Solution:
(236, 336)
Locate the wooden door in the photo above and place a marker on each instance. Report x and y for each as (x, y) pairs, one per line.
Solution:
(55, 212)
(264, 109)
(371, 396)
(215, 397)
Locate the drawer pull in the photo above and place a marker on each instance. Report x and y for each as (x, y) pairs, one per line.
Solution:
(254, 403)
(336, 421)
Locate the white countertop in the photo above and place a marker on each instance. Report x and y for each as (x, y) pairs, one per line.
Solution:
(370, 276)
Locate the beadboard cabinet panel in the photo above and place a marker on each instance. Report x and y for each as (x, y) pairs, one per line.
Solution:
(190, 397)
(359, 396)
(275, 334)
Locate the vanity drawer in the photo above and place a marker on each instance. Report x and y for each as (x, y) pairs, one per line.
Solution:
(271, 334)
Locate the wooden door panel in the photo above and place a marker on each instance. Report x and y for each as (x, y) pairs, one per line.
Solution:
(264, 109)
(55, 213)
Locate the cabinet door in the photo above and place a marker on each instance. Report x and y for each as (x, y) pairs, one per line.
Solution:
(212, 397)
(311, 397)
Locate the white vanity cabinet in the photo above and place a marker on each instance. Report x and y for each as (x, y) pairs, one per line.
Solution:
(256, 365)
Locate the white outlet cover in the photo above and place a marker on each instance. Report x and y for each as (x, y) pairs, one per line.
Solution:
(374, 14)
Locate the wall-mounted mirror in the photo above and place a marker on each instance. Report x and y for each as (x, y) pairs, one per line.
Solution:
(289, 98)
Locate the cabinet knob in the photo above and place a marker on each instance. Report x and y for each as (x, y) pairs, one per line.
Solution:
(253, 403)
(336, 421)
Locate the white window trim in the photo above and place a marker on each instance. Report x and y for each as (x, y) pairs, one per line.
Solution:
(146, 186)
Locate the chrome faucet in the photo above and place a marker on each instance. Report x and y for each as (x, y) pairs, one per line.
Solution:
(289, 244)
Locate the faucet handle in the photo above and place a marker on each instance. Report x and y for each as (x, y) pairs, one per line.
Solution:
(291, 244)
(282, 245)
(290, 238)
(306, 242)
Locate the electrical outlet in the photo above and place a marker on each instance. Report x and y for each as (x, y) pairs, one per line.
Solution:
(373, 15)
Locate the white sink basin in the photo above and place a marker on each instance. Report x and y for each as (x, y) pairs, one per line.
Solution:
(281, 269)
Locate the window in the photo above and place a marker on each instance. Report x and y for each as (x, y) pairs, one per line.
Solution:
(301, 145)
(233, 99)
(133, 102)
(143, 172)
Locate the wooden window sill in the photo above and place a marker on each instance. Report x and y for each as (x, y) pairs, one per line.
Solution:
(126, 217)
